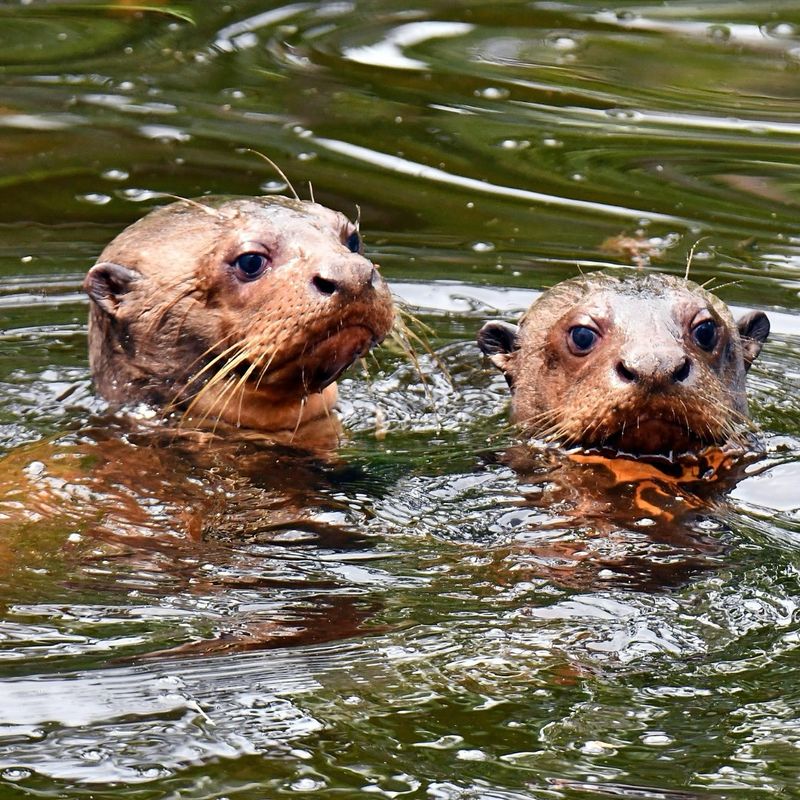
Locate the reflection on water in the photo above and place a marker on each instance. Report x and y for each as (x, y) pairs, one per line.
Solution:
(431, 611)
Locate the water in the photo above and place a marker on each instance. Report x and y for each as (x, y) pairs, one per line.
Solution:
(414, 618)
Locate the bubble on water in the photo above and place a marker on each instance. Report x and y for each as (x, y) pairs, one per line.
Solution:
(483, 247)
(622, 113)
(164, 133)
(273, 187)
(16, 774)
(563, 43)
(139, 195)
(576, 176)
(309, 155)
(626, 16)
(550, 141)
(95, 198)
(492, 93)
(658, 739)
(26, 259)
(515, 144)
(307, 785)
(115, 174)
(718, 33)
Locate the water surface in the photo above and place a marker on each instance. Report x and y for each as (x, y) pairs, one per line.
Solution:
(414, 618)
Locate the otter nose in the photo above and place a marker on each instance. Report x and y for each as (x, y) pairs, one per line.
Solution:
(655, 367)
(349, 278)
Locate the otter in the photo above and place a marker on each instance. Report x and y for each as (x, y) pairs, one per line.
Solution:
(638, 363)
(244, 310)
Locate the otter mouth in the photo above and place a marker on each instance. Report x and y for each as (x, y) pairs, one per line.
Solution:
(653, 436)
(320, 363)
(325, 361)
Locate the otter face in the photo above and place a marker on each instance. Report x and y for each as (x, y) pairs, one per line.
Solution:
(646, 364)
(231, 304)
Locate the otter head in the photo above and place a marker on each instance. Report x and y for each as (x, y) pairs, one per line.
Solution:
(643, 364)
(243, 309)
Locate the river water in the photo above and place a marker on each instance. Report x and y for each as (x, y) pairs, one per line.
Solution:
(414, 617)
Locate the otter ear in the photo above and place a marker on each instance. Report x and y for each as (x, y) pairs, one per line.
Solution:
(754, 329)
(499, 341)
(106, 282)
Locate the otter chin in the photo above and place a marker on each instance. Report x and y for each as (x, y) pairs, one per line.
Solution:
(644, 364)
(243, 309)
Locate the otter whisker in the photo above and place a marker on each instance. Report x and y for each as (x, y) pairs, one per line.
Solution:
(219, 376)
(691, 256)
(275, 167)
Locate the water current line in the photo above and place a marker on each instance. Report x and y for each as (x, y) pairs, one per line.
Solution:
(405, 167)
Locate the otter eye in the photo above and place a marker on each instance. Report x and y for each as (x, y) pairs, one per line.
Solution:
(705, 334)
(250, 265)
(354, 242)
(582, 338)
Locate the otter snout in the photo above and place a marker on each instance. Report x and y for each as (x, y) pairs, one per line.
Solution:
(658, 368)
(349, 278)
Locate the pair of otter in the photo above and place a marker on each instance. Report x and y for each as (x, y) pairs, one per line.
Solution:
(247, 310)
